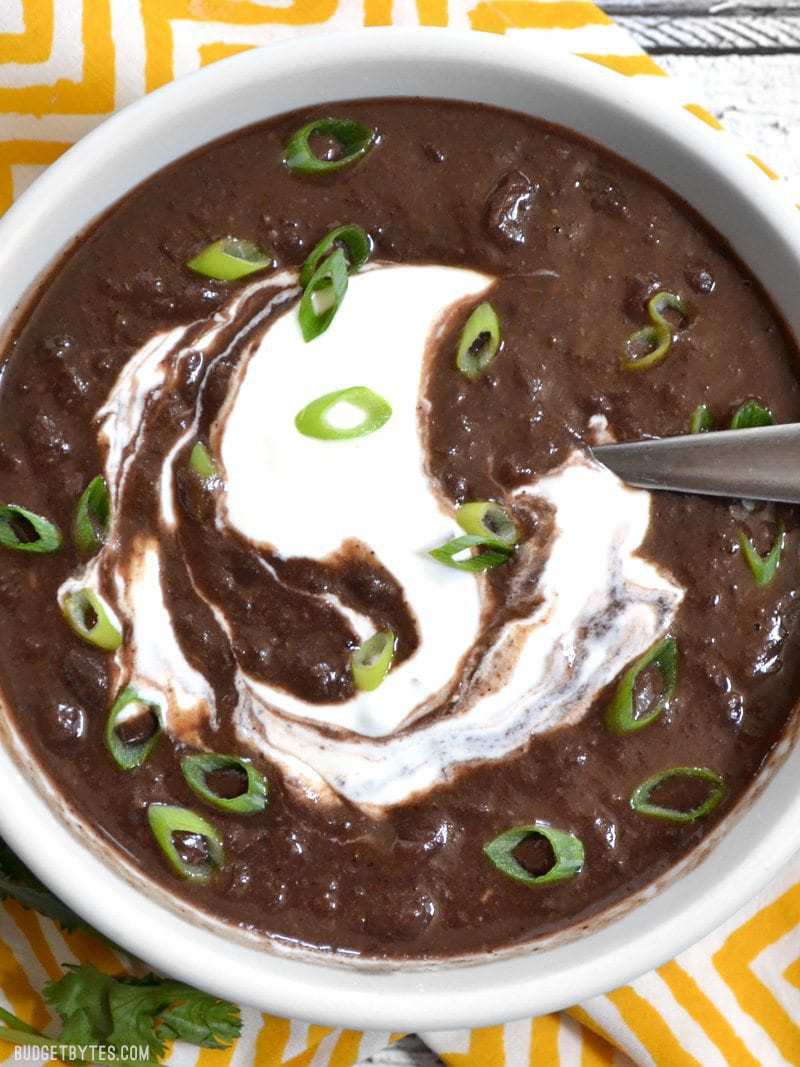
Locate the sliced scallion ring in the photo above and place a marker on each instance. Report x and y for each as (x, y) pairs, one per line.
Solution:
(372, 659)
(701, 420)
(229, 259)
(567, 849)
(479, 342)
(750, 415)
(640, 798)
(488, 519)
(354, 241)
(166, 820)
(763, 567)
(88, 617)
(323, 295)
(201, 463)
(495, 554)
(647, 347)
(130, 707)
(354, 140)
(92, 517)
(661, 302)
(620, 717)
(314, 419)
(198, 767)
(25, 531)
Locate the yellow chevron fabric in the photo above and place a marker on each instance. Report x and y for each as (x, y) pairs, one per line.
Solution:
(732, 999)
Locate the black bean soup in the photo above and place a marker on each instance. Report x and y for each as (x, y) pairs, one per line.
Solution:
(302, 741)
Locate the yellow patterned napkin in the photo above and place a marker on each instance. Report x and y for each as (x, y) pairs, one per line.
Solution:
(732, 999)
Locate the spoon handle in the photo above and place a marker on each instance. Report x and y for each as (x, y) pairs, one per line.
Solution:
(757, 464)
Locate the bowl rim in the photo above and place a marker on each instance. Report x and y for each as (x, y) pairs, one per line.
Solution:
(395, 997)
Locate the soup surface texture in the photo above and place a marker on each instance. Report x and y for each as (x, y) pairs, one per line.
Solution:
(250, 576)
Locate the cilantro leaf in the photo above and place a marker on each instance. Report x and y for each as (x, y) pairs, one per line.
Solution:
(96, 1008)
(81, 999)
(135, 1008)
(200, 1018)
(20, 884)
(181, 1012)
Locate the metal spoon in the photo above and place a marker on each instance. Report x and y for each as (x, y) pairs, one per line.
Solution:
(757, 464)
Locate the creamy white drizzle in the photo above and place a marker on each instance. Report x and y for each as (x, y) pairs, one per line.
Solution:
(159, 664)
(306, 497)
(121, 416)
(600, 604)
(146, 374)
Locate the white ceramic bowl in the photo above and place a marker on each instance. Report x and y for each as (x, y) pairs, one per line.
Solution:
(618, 113)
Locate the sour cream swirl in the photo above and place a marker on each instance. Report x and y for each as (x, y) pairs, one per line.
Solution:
(461, 697)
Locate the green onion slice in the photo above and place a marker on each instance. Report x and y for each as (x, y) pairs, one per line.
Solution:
(354, 140)
(229, 259)
(25, 531)
(479, 342)
(351, 239)
(92, 517)
(646, 347)
(567, 850)
(640, 798)
(763, 567)
(197, 768)
(201, 463)
(661, 302)
(496, 553)
(88, 617)
(750, 415)
(314, 419)
(649, 346)
(166, 820)
(129, 706)
(487, 519)
(620, 717)
(372, 659)
(323, 295)
(701, 420)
